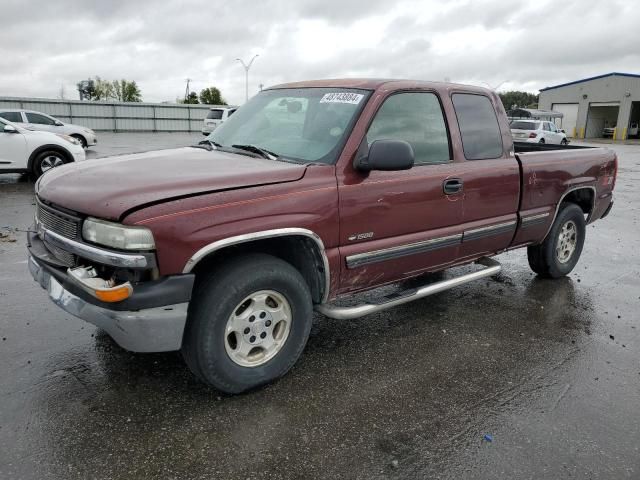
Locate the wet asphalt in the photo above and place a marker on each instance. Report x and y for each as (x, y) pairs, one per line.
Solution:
(508, 378)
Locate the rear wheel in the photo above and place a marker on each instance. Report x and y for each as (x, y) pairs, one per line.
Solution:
(560, 251)
(248, 323)
(45, 161)
(541, 140)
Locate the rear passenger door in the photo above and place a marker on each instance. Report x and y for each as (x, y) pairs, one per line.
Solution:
(491, 178)
(398, 224)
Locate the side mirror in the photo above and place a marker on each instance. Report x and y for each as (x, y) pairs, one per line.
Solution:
(386, 155)
(58, 123)
(10, 129)
(562, 131)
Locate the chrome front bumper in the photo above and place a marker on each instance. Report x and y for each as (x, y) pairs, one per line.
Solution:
(157, 329)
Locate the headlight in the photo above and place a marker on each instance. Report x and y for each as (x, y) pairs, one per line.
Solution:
(68, 138)
(117, 236)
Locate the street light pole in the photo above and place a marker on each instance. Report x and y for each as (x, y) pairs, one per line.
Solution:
(246, 75)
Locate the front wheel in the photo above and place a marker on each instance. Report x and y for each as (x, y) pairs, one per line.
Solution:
(81, 139)
(563, 141)
(560, 251)
(46, 161)
(541, 140)
(248, 323)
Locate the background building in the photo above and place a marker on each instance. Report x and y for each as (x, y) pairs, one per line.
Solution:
(593, 105)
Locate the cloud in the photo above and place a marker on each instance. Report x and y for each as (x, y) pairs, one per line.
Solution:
(159, 44)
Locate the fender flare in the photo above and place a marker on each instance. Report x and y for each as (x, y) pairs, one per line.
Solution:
(249, 237)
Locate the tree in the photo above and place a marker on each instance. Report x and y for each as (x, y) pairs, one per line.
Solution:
(126, 91)
(105, 90)
(86, 89)
(192, 98)
(102, 90)
(516, 99)
(211, 96)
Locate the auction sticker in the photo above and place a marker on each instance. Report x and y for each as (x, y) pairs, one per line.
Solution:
(342, 97)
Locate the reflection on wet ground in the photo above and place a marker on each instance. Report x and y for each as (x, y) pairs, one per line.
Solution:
(549, 369)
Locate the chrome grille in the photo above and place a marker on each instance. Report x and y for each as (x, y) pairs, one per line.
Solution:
(58, 222)
(67, 258)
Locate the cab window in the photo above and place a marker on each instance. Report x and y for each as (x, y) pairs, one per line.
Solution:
(481, 138)
(416, 118)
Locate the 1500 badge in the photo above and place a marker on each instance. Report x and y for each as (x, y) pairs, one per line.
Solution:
(360, 236)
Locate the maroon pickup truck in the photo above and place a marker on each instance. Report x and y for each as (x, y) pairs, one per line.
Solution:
(310, 192)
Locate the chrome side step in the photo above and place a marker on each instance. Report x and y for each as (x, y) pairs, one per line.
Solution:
(347, 313)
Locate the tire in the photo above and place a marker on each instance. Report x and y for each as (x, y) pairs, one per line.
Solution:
(47, 160)
(81, 139)
(564, 142)
(234, 295)
(549, 259)
(542, 140)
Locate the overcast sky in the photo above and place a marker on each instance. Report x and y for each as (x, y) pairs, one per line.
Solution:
(46, 44)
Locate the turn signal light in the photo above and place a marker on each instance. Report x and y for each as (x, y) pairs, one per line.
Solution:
(115, 294)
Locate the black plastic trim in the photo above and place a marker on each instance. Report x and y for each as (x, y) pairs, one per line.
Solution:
(392, 253)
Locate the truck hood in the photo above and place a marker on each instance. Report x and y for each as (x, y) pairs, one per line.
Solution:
(113, 186)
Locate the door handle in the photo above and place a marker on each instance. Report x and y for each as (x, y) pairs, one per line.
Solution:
(452, 185)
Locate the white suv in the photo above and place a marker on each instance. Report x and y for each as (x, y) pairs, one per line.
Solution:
(215, 117)
(35, 152)
(537, 131)
(46, 123)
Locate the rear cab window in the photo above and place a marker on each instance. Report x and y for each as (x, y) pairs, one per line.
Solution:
(416, 118)
(479, 128)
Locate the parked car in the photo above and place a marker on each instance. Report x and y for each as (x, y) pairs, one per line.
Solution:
(535, 131)
(46, 123)
(216, 117)
(609, 131)
(35, 152)
(224, 250)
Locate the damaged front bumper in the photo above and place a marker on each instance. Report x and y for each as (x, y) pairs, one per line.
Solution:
(152, 319)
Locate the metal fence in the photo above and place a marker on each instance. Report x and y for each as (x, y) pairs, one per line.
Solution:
(117, 116)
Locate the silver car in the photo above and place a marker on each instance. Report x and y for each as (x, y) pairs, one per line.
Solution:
(32, 120)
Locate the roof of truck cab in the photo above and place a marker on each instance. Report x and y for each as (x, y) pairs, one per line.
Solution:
(377, 83)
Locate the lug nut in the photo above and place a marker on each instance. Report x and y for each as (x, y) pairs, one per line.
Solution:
(263, 334)
(252, 318)
(262, 315)
(247, 330)
(267, 323)
(252, 339)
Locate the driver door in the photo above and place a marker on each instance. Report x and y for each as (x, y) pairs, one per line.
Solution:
(397, 224)
(13, 150)
(38, 121)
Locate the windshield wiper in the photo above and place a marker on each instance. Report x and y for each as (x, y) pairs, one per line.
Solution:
(263, 152)
(212, 145)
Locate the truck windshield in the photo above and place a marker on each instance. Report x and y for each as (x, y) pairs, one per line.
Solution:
(302, 124)
(519, 125)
